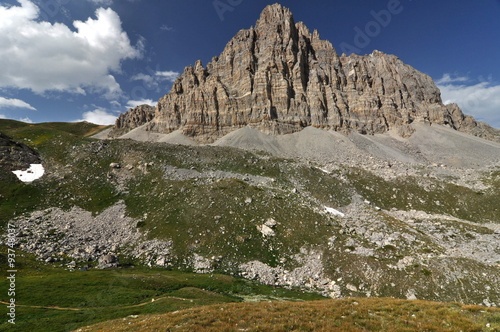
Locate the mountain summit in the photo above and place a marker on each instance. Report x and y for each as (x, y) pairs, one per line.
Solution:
(280, 78)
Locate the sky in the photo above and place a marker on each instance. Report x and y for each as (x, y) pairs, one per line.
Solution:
(73, 60)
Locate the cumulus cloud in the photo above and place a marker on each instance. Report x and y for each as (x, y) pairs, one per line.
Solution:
(100, 117)
(2, 116)
(17, 103)
(134, 103)
(42, 56)
(481, 100)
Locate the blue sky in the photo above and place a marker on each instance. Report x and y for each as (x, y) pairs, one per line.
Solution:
(69, 60)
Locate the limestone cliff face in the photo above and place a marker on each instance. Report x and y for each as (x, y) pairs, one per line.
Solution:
(279, 78)
(135, 117)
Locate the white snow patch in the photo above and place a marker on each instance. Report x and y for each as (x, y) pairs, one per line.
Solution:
(334, 212)
(33, 173)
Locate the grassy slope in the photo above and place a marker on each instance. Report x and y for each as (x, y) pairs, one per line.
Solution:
(54, 142)
(57, 143)
(51, 299)
(203, 215)
(364, 314)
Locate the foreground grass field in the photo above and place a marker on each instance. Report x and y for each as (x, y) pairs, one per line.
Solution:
(51, 299)
(364, 314)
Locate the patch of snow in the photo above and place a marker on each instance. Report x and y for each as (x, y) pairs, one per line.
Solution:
(33, 173)
(334, 212)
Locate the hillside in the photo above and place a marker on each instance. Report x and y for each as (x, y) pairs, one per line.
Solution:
(415, 232)
(352, 224)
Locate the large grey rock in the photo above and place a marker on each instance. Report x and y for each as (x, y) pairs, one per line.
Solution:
(108, 261)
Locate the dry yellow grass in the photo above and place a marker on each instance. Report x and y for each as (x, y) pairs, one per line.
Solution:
(367, 314)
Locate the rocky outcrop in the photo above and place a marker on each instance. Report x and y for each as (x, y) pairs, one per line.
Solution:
(108, 261)
(485, 131)
(468, 124)
(133, 118)
(16, 156)
(279, 78)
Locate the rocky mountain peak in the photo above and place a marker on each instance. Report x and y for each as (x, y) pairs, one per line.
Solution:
(275, 16)
(280, 78)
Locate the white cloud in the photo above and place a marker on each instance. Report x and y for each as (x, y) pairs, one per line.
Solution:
(102, 2)
(170, 76)
(6, 102)
(134, 103)
(447, 78)
(26, 120)
(115, 104)
(481, 100)
(100, 117)
(154, 79)
(41, 56)
(166, 28)
(147, 79)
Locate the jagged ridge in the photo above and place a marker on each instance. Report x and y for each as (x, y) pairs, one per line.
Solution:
(280, 78)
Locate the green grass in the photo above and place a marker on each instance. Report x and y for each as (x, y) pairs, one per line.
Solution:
(35, 131)
(51, 299)
(214, 220)
(90, 166)
(327, 189)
